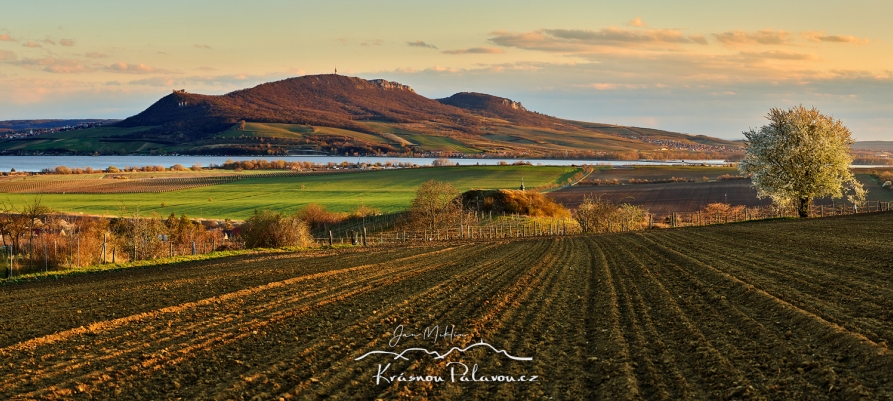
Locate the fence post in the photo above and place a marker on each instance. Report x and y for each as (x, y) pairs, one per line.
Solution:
(193, 247)
(46, 261)
(331, 240)
(364, 236)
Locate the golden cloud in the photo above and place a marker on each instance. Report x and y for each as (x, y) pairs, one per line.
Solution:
(589, 41)
(134, 69)
(764, 37)
(6, 55)
(476, 50)
(636, 23)
(54, 65)
(818, 36)
(419, 43)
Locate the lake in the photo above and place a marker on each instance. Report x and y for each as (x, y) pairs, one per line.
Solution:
(38, 163)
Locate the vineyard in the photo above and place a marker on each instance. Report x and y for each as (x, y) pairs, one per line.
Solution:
(773, 309)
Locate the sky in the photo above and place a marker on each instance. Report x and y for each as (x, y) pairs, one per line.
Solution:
(710, 68)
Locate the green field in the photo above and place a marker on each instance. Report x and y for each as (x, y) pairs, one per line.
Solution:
(104, 140)
(438, 143)
(387, 190)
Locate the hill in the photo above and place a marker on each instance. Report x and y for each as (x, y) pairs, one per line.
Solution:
(334, 114)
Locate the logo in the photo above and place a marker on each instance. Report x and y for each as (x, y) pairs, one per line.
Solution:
(438, 362)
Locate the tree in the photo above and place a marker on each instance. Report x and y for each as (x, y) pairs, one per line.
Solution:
(435, 203)
(800, 156)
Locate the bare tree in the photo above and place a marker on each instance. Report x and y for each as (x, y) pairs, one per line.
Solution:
(435, 203)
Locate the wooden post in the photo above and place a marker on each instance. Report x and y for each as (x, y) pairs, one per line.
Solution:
(46, 260)
(364, 236)
(193, 247)
(171, 246)
(331, 239)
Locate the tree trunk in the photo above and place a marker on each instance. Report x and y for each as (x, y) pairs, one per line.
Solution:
(803, 208)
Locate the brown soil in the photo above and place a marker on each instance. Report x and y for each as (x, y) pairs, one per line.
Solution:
(663, 199)
(769, 310)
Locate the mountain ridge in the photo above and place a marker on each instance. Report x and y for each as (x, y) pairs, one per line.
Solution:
(336, 114)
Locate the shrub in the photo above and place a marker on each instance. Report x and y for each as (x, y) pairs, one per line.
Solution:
(316, 216)
(528, 203)
(269, 229)
(722, 210)
(596, 215)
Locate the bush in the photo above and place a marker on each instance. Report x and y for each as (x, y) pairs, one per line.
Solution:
(527, 203)
(723, 210)
(316, 216)
(885, 178)
(596, 215)
(269, 229)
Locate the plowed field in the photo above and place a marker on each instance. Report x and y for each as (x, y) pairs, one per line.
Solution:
(771, 310)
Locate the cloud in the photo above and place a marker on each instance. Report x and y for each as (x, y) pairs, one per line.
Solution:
(135, 69)
(6, 55)
(476, 50)
(637, 23)
(818, 36)
(231, 81)
(95, 55)
(54, 65)
(764, 37)
(778, 55)
(614, 86)
(373, 42)
(66, 42)
(202, 47)
(589, 41)
(419, 43)
(49, 41)
(31, 44)
(6, 38)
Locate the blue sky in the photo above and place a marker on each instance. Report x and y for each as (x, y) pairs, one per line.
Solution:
(702, 68)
